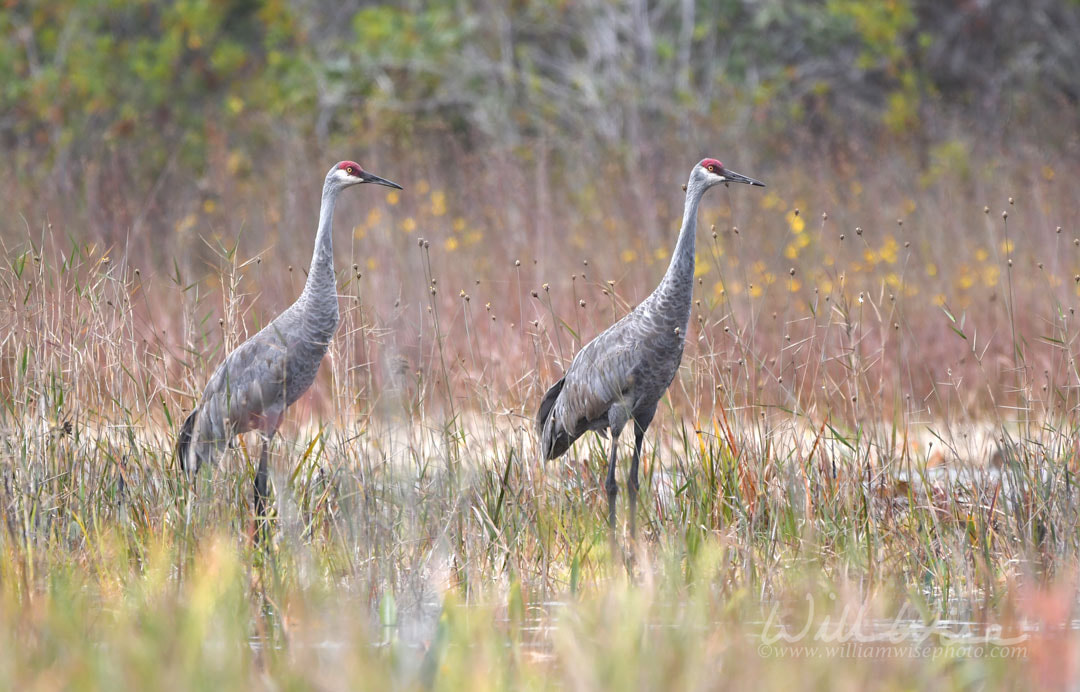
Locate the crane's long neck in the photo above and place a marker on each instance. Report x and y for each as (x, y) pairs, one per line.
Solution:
(676, 289)
(320, 279)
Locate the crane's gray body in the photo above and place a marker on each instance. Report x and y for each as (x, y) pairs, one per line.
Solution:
(263, 376)
(621, 375)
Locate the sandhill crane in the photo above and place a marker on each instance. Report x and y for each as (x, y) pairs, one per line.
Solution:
(620, 375)
(263, 376)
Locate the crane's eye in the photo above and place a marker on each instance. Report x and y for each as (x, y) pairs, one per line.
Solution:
(349, 170)
(712, 167)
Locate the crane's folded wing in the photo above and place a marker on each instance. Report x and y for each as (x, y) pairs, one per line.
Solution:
(246, 387)
(599, 378)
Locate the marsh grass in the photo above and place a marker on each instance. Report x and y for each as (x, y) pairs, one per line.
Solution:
(852, 428)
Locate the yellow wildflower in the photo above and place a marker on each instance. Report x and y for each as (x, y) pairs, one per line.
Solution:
(795, 222)
(186, 223)
(438, 203)
(700, 268)
(771, 200)
(889, 250)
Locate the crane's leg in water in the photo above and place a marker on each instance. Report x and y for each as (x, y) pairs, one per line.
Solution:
(611, 486)
(632, 481)
(262, 530)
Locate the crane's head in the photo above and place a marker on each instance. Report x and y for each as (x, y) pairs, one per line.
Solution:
(711, 172)
(347, 173)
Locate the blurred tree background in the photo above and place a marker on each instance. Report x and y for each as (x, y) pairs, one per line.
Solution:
(100, 96)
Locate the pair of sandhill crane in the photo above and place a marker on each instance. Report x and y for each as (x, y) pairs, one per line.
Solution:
(618, 377)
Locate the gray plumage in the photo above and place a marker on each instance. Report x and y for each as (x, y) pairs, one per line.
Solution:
(621, 375)
(262, 377)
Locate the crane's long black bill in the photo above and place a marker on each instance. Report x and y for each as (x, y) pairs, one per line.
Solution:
(733, 177)
(371, 178)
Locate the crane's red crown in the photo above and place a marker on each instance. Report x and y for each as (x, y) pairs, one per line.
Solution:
(712, 165)
(350, 167)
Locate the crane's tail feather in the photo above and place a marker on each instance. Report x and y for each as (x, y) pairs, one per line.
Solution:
(183, 443)
(553, 443)
(548, 403)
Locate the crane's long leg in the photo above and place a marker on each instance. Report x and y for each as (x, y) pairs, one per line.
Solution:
(632, 481)
(611, 486)
(261, 529)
